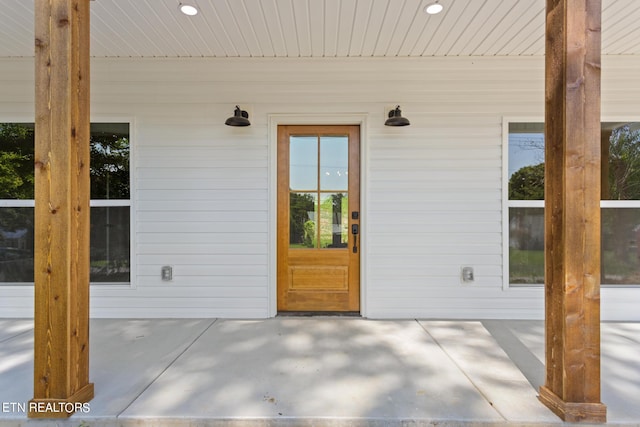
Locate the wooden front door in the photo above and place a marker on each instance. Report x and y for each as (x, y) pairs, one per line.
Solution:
(319, 218)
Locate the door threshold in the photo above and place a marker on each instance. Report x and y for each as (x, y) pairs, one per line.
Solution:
(319, 314)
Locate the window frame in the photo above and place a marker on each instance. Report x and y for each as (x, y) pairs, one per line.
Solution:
(507, 204)
(17, 203)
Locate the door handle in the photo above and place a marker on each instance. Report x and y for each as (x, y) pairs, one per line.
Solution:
(354, 230)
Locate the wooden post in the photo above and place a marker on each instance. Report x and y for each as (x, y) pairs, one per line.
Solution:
(61, 348)
(572, 210)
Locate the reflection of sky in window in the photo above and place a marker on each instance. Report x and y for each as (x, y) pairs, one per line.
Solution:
(303, 162)
(525, 149)
(334, 156)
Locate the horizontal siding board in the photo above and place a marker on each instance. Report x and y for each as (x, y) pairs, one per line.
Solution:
(232, 71)
(209, 195)
(433, 190)
(201, 172)
(430, 152)
(433, 165)
(435, 227)
(221, 165)
(213, 285)
(478, 297)
(16, 294)
(210, 289)
(443, 198)
(151, 301)
(438, 186)
(428, 250)
(203, 249)
(186, 91)
(18, 109)
(212, 311)
(400, 259)
(302, 93)
(197, 216)
(434, 206)
(204, 227)
(216, 151)
(205, 259)
(423, 271)
(398, 175)
(381, 240)
(204, 183)
(215, 271)
(409, 220)
(202, 205)
(197, 237)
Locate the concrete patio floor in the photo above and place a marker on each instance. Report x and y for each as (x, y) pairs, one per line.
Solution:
(320, 371)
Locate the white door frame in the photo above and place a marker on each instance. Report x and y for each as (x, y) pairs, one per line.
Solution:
(359, 119)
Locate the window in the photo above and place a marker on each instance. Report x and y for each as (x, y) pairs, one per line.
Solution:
(620, 204)
(110, 203)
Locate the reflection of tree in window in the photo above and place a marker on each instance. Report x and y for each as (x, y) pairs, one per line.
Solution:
(16, 183)
(624, 164)
(527, 183)
(620, 164)
(620, 223)
(109, 166)
(110, 224)
(109, 163)
(336, 202)
(621, 227)
(301, 226)
(16, 161)
(334, 208)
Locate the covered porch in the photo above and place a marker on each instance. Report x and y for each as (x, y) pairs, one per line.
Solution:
(62, 227)
(321, 371)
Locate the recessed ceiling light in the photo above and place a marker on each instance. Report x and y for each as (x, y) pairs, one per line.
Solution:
(188, 9)
(433, 8)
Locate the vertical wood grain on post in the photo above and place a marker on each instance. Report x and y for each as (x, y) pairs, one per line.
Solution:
(62, 193)
(572, 210)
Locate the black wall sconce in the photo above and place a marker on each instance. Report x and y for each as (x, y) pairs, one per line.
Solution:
(396, 119)
(239, 118)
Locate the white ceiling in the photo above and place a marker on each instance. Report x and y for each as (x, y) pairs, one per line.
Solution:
(319, 28)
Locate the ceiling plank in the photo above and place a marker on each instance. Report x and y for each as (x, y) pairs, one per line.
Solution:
(250, 30)
(361, 19)
(411, 20)
(272, 22)
(16, 29)
(319, 28)
(288, 27)
(525, 34)
(374, 27)
(447, 26)
(462, 25)
(481, 23)
(241, 42)
(303, 27)
(389, 28)
(346, 26)
(625, 32)
(506, 18)
(332, 11)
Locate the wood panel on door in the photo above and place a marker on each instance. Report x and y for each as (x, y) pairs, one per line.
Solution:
(319, 218)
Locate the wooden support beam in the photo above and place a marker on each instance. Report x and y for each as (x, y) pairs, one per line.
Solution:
(572, 210)
(61, 348)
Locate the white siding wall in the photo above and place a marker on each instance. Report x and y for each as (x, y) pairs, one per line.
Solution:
(433, 190)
